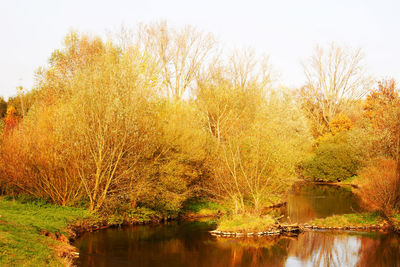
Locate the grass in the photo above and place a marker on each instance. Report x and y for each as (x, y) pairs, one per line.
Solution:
(245, 223)
(395, 220)
(202, 208)
(349, 220)
(21, 223)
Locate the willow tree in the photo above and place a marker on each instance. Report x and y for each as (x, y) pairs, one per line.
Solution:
(102, 115)
(92, 115)
(258, 163)
(258, 135)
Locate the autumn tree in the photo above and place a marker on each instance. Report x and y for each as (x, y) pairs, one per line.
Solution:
(335, 79)
(380, 186)
(257, 163)
(382, 111)
(175, 166)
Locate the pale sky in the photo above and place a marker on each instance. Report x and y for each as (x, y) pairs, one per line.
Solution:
(286, 30)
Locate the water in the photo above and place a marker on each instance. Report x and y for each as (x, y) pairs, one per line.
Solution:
(311, 201)
(190, 244)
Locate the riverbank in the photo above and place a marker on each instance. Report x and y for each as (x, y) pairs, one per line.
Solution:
(34, 233)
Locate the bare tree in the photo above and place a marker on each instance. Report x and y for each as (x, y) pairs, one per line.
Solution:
(336, 78)
(180, 54)
(227, 88)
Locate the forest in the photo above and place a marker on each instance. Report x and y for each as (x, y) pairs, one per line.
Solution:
(154, 118)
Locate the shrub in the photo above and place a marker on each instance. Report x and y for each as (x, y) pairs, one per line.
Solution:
(380, 186)
(334, 160)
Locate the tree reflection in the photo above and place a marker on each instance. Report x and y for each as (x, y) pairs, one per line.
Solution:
(256, 251)
(380, 251)
(325, 249)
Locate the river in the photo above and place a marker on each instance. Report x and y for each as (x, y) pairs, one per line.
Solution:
(190, 244)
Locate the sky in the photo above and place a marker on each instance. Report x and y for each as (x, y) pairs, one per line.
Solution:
(286, 30)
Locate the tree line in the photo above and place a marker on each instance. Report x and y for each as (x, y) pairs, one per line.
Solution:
(156, 116)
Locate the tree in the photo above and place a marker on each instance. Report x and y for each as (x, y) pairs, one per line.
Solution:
(336, 78)
(335, 159)
(11, 119)
(180, 54)
(257, 163)
(3, 107)
(100, 119)
(229, 93)
(382, 111)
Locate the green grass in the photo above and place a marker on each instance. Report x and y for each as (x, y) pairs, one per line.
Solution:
(203, 208)
(348, 180)
(245, 223)
(349, 220)
(21, 223)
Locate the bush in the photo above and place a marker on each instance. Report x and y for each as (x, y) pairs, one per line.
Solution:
(380, 187)
(334, 160)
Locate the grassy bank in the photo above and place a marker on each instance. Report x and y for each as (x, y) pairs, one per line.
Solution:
(34, 233)
(368, 219)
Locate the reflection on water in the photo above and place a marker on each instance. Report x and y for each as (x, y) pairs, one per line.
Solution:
(310, 201)
(190, 244)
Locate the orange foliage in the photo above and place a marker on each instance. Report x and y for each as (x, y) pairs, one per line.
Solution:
(11, 119)
(380, 187)
(340, 123)
(384, 98)
(35, 163)
(382, 110)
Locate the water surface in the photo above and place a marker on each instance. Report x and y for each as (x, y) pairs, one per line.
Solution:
(190, 244)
